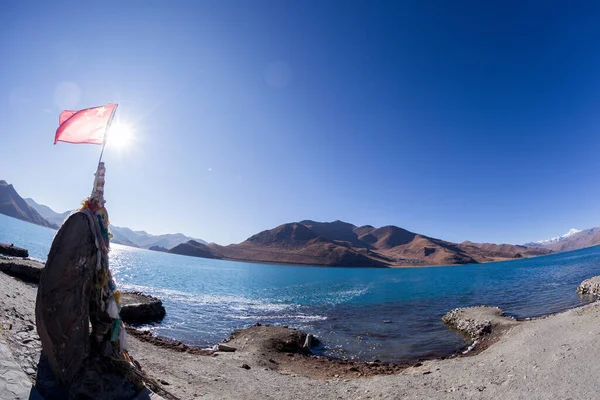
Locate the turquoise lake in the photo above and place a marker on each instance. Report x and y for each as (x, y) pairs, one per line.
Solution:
(359, 313)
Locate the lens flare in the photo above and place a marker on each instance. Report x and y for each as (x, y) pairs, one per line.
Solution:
(120, 135)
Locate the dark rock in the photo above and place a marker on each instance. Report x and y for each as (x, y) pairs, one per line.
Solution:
(99, 379)
(62, 318)
(12, 250)
(68, 303)
(138, 308)
(245, 366)
(26, 270)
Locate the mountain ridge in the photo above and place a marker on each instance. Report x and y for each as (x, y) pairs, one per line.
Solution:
(571, 240)
(555, 239)
(47, 213)
(309, 242)
(340, 243)
(121, 235)
(13, 205)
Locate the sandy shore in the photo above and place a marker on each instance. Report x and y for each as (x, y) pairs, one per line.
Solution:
(548, 358)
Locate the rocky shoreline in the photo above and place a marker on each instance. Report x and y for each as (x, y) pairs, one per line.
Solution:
(27, 270)
(136, 308)
(265, 359)
(13, 251)
(139, 308)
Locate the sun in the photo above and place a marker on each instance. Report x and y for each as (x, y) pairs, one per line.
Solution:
(120, 135)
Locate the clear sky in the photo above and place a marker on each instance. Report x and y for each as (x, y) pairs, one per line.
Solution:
(459, 120)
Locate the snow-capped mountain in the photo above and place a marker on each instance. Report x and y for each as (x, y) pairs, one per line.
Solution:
(557, 238)
(572, 240)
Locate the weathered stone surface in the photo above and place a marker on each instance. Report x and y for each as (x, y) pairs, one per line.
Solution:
(477, 321)
(62, 305)
(68, 302)
(12, 250)
(590, 286)
(138, 308)
(26, 270)
(14, 384)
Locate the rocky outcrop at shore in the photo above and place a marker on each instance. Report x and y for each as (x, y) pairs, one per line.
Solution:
(265, 339)
(138, 308)
(477, 322)
(13, 251)
(26, 270)
(590, 286)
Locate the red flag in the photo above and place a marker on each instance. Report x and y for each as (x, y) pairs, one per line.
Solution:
(84, 126)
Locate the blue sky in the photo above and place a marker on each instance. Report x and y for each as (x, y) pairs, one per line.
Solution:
(459, 120)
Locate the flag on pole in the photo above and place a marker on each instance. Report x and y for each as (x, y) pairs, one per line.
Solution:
(85, 126)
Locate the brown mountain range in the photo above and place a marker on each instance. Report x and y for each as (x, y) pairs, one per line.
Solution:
(13, 205)
(339, 243)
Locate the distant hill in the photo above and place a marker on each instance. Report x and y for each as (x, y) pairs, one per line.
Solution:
(13, 205)
(47, 213)
(158, 248)
(146, 240)
(195, 249)
(121, 235)
(572, 240)
(340, 243)
(502, 251)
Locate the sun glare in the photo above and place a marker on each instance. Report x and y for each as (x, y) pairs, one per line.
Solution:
(120, 135)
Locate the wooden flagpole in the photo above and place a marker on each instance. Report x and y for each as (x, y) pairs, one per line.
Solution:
(106, 131)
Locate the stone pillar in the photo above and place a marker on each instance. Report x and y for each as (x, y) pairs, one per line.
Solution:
(62, 306)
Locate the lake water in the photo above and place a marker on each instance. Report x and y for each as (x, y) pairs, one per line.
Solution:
(366, 314)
